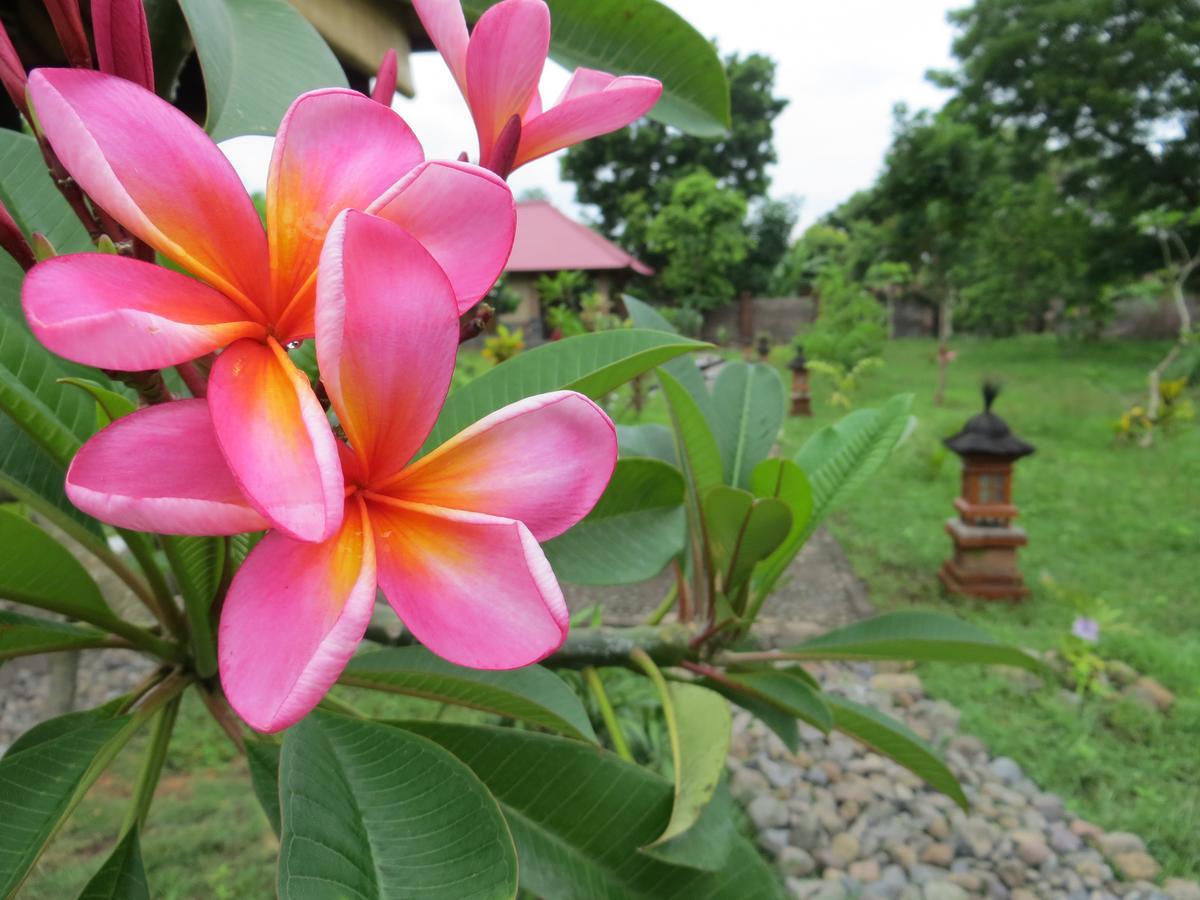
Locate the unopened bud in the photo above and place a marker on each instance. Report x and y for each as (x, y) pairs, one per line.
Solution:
(13, 241)
(385, 81)
(12, 72)
(504, 151)
(105, 245)
(123, 40)
(68, 25)
(42, 248)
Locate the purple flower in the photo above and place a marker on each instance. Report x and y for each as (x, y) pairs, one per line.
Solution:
(1085, 628)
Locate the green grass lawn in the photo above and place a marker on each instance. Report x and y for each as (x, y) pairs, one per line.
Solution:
(1111, 522)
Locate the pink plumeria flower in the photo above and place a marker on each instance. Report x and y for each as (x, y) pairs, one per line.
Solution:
(157, 173)
(451, 539)
(498, 68)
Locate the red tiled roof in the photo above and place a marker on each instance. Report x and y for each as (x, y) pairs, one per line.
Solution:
(548, 241)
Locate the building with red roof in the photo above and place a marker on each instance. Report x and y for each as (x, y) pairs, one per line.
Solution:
(548, 241)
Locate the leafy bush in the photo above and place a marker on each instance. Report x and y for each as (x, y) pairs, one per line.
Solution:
(504, 344)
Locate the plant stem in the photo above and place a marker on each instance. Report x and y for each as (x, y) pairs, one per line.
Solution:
(596, 686)
(156, 755)
(668, 602)
(218, 708)
(163, 607)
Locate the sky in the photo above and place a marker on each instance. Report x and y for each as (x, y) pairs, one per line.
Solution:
(842, 64)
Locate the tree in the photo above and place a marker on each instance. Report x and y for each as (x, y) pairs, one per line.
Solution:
(769, 229)
(700, 235)
(820, 246)
(850, 326)
(888, 278)
(1108, 89)
(645, 160)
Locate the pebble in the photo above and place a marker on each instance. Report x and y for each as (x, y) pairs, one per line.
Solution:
(842, 821)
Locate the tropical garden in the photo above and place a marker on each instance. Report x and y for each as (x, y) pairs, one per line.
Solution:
(404, 603)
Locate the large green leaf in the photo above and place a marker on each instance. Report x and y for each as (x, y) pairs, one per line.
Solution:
(29, 193)
(37, 570)
(532, 695)
(263, 761)
(683, 369)
(44, 776)
(257, 56)
(25, 635)
(373, 811)
(643, 37)
(842, 456)
(785, 481)
(742, 530)
(633, 532)
(789, 690)
(579, 815)
(652, 441)
(695, 442)
(592, 364)
(920, 636)
(708, 843)
(749, 401)
(122, 877)
(889, 738)
(700, 726)
(198, 564)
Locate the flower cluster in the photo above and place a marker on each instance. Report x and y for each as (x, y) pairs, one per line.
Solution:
(375, 253)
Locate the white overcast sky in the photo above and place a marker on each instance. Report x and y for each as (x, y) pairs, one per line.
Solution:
(841, 64)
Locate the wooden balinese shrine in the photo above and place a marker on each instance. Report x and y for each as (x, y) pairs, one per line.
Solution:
(985, 539)
(801, 397)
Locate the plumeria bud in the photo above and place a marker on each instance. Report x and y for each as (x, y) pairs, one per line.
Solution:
(105, 245)
(68, 25)
(42, 248)
(12, 73)
(385, 81)
(13, 241)
(123, 40)
(472, 324)
(504, 151)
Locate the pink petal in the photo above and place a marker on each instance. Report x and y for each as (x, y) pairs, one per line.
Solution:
(446, 27)
(158, 174)
(474, 589)
(505, 59)
(121, 313)
(123, 40)
(294, 615)
(159, 469)
(590, 107)
(463, 215)
(387, 335)
(543, 461)
(336, 150)
(276, 439)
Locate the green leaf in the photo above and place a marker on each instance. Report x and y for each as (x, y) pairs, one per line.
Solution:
(695, 443)
(700, 726)
(781, 722)
(373, 811)
(123, 876)
(650, 441)
(262, 759)
(683, 369)
(707, 844)
(198, 564)
(257, 56)
(789, 690)
(642, 37)
(29, 193)
(785, 481)
(25, 635)
(110, 405)
(44, 777)
(915, 635)
(579, 815)
(37, 570)
(532, 694)
(840, 457)
(749, 402)
(592, 364)
(632, 533)
(889, 738)
(742, 530)
(57, 418)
